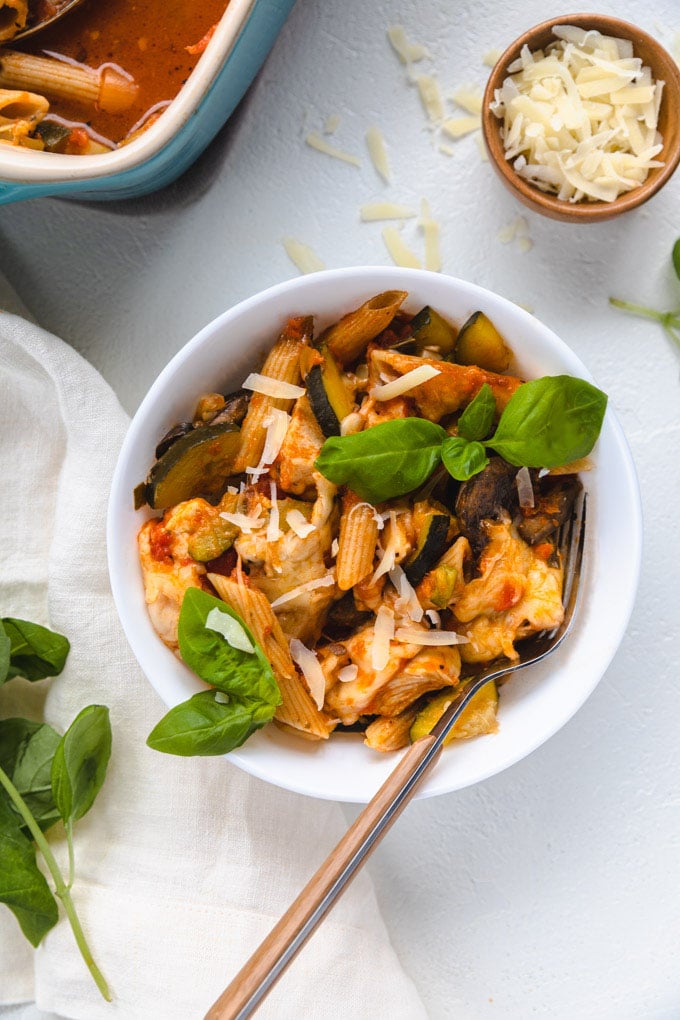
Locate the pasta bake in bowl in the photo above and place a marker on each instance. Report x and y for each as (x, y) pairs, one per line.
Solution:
(346, 494)
(118, 100)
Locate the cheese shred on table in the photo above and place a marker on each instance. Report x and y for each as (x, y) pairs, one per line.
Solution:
(580, 118)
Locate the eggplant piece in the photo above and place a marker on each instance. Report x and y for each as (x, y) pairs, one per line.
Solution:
(344, 619)
(234, 410)
(198, 464)
(486, 495)
(172, 435)
(430, 329)
(431, 545)
(328, 394)
(479, 343)
(553, 502)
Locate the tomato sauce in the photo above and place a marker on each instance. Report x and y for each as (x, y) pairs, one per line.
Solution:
(148, 39)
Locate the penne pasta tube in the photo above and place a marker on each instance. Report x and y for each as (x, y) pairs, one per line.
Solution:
(297, 709)
(13, 14)
(356, 542)
(349, 337)
(20, 113)
(107, 87)
(282, 364)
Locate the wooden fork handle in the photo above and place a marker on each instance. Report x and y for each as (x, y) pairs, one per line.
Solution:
(268, 962)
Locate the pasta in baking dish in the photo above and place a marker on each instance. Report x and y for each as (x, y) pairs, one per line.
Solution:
(98, 77)
(370, 596)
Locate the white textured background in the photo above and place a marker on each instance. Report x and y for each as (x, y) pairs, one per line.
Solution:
(551, 890)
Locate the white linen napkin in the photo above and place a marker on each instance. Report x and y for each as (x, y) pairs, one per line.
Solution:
(183, 865)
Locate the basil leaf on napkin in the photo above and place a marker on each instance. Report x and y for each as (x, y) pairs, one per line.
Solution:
(246, 695)
(26, 752)
(550, 422)
(80, 762)
(23, 887)
(35, 651)
(384, 461)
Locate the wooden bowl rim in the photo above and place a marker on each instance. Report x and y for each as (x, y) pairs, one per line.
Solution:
(665, 68)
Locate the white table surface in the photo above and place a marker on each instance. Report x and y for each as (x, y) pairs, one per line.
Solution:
(550, 890)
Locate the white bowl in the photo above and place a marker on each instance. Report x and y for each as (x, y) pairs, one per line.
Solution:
(535, 703)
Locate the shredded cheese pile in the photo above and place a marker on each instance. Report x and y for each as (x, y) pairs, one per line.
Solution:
(580, 119)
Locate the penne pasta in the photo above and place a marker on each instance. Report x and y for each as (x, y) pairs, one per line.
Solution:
(282, 364)
(106, 87)
(13, 15)
(297, 709)
(350, 336)
(356, 542)
(20, 113)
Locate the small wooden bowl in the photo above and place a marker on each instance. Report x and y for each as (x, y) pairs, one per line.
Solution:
(663, 68)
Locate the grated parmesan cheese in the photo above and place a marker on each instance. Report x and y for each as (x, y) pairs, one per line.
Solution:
(434, 618)
(430, 229)
(406, 382)
(230, 629)
(378, 152)
(491, 57)
(416, 636)
(247, 523)
(331, 124)
(315, 141)
(373, 211)
(348, 673)
(311, 670)
(272, 387)
(302, 256)
(469, 98)
(273, 529)
(457, 127)
(383, 633)
(580, 118)
(298, 523)
(399, 251)
(408, 52)
(408, 599)
(276, 424)
(431, 98)
(319, 582)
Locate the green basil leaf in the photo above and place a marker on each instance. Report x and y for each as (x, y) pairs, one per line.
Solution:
(204, 726)
(36, 652)
(26, 752)
(476, 420)
(80, 761)
(676, 258)
(463, 459)
(22, 884)
(209, 654)
(385, 461)
(549, 422)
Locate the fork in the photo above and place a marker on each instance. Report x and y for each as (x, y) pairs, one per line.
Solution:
(256, 978)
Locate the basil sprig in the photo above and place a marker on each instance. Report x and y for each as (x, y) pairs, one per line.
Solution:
(547, 422)
(670, 321)
(244, 695)
(44, 778)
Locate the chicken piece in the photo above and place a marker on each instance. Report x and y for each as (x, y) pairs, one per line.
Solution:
(167, 568)
(292, 561)
(517, 594)
(452, 389)
(429, 670)
(295, 463)
(390, 734)
(350, 700)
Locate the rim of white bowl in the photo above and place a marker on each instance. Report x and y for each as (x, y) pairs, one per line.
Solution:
(608, 642)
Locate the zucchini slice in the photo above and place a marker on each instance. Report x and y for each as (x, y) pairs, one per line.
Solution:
(430, 329)
(328, 394)
(480, 343)
(430, 547)
(198, 464)
(477, 718)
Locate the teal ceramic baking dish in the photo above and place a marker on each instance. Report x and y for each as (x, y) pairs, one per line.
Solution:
(235, 53)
